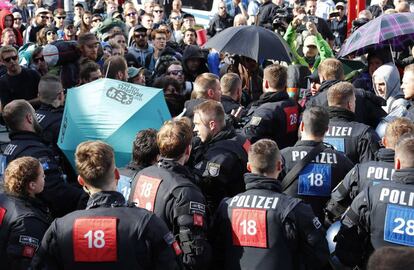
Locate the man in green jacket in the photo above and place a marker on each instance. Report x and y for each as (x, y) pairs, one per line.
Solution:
(315, 48)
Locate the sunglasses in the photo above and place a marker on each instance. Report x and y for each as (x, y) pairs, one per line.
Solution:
(44, 17)
(140, 35)
(39, 59)
(8, 59)
(131, 14)
(50, 33)
(17, 19)
(176, 72)
(60, 18)
(158, 11)
(177, 18)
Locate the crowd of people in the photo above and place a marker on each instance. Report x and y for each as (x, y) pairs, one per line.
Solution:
(264, 164)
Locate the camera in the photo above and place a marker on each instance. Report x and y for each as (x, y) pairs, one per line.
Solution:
(281, 19)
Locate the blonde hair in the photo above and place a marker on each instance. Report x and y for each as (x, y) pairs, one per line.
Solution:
(19, 173)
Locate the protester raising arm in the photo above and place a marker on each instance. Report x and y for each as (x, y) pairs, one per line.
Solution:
(315, 48)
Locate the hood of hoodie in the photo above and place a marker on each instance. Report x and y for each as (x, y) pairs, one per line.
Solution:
(3, 14)
(389, 73)
(193, 51)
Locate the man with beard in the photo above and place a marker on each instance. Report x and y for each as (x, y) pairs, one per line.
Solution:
(141, 48)
(176, 71)
(25, 140)
(18, 82)
(88, 46)
(49, 116)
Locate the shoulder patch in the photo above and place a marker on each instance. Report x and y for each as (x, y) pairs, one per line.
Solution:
(45, 163)
(29, 241)
(255, 121)
(170, 240)
(213, 169)
(196, 207)
(316, 223)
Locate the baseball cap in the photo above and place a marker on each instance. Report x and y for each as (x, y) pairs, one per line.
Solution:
(188, 15)
(140, 28)
(133, 71)
(310, 41)
(41, 10)
(342, 4)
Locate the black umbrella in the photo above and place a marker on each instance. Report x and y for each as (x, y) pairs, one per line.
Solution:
(252, 41)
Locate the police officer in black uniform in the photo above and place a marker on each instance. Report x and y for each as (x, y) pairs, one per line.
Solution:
(358, 141)
(263, 228)
(315, 182)
(144, 154)
(60, 197)
(368, 106)
(23, 218)
(49, 116)
(167, 189)
(109, 234)
(383, 213)
(218, 156)
(373, 171)
(274, 116)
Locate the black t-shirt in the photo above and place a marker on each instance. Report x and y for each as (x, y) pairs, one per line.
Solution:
(22, 86)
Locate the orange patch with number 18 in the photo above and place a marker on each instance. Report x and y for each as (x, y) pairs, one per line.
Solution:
(249, 227)
(95, 239)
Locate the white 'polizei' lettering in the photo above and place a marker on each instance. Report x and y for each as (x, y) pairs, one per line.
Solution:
(397, 196)
(380, 173)
(254, 201)
(334, 131)
(326, 158)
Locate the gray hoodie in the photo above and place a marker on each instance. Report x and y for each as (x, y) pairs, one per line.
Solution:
(393, 93)
(396, 106)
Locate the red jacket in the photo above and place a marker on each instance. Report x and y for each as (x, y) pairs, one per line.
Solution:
(3, 14)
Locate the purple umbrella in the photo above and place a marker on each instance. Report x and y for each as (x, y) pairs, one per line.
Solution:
(395, 30)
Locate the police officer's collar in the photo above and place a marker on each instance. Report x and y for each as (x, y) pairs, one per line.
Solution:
(341, 113)
(228, 98)
(226, 133)
(29, 201)
(386, 155)
(25, 135)
(271, 97)
(404, 176)
(325, 85)
(136, 167)
(48, 107)
(106, 199)
(173, 165)
(307, 143)
(255, 181)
